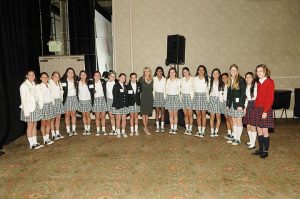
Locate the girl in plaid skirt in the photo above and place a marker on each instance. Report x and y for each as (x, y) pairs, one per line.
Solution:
(120, 105)
(224, 110)
(57, 93)
(85, 101)
(236, 102)
(172, 95)
(201, 96)
(159, 83)
(99, 103)
(251, 92)
(134, 89)
(47, 112)
(31, 102)
(263, 117)
(215, 90)
(109, 100)
(70, 99)
(187, 95)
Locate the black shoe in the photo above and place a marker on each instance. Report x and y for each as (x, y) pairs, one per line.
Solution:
(257, 152)
(1, 153)
(264, 154)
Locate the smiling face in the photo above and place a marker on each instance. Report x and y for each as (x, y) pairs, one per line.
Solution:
(112, 77)
(55, 77)
(122, 79)
(249, 79)
(70, 74)
(201, 71)
(147, 73)
(97, 76)
(216, 75)
(172, 73)
(233, 72)
(260, 72)
(83, 76)
(30, 76)
(133, 78)
(186, 73)
(159, 73)
(224, 79)
(44, 78)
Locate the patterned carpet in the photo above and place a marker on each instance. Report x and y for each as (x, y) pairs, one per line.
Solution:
(156, 166)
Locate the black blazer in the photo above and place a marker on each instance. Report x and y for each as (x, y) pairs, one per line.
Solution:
(236, 98)
(93, 89)
(134, 97)
(120, 96)
(64, 83)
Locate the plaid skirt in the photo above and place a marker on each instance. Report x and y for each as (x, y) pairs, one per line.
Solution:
(214, 105)
(159, 101)
(224, 109)
(71, 103)
(33, 117)
(99, 104)
(187, 102)
(47, 112)
(248, 119)
(85, 106)
(262, 123)
(134, 109)
(120, 111)
(235, 113)
(109, 103)
(58, 107)
(173, 102)
(200, 102)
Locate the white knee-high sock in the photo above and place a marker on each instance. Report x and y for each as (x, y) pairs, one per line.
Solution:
(254, 135)
(250, 136)
(240, 131)
(157, 124)
(235, 132)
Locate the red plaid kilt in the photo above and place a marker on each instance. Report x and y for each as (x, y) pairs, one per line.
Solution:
(249, 117)
(262, 123)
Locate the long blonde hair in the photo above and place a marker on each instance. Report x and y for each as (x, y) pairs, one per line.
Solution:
(235, 84)
(147, 68)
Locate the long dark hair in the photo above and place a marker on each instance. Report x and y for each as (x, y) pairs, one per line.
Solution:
(252, 83)
(75, 78)
(176, 74)
(87, 77)
(221, 84)
(205, 73)
(157, 68)
(28, 71)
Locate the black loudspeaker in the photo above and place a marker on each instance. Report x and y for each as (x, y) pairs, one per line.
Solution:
(175, 49)
(297, 103)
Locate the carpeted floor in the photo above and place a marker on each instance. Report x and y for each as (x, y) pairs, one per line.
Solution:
(156, 166)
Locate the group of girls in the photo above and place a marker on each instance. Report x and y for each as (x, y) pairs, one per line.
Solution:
(230, 94)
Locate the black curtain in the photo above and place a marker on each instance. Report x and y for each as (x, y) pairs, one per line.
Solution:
(82, 31)
(20, 46)
(45, 6)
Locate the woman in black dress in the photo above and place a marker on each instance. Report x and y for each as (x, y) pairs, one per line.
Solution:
(146, 97)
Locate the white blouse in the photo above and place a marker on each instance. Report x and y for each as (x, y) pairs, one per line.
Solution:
(215, 89)
(187, 86)
(99, 89)
(56, 89)
(173, 87)
(109, 89)
(200, 85)
(46, 93)
(71, 88)
(159, 85)
(83, 91)
(133, 85)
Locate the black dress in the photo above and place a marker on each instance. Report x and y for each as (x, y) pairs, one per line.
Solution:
(146, 97)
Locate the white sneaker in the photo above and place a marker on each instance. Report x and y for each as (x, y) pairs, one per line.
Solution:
(171, 131)
(136, 133)
(162, 130)
(201, 135)
(124, 135)
(84, 132)
(98, 133)
(118, 135)
(174, 132)
(48, 142)
(212, 135)
(131, 133)
(229, 141)
(36, 146)
(70, 134)
(236, 142)
(216, 134)
(197, 134)
(157, 130)
(189, 132)
(186, 132)
(112, 132)
(104, 133)
(88, 133)
(74, 133)
(59, 136)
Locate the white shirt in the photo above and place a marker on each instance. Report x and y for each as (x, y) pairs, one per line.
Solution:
(159, 85)
(46, 93)
(109, 89)
(56, 89)
(215, 89)
(71, 88)
(133, 85)
(173, 87)
(98, 89)
(83, 91)
(200, 85)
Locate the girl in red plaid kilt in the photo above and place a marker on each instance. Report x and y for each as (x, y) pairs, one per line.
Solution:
(251, 92)
(262, 114)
